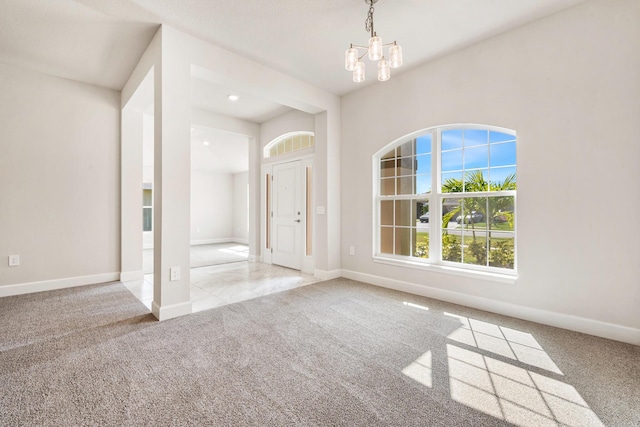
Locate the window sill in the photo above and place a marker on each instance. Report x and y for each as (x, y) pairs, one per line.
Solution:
(446, 269)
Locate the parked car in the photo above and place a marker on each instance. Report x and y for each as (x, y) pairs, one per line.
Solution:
(500, 218)
(471, 218)
(424, 217)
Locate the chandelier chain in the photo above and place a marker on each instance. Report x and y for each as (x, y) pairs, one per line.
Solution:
(368, 24)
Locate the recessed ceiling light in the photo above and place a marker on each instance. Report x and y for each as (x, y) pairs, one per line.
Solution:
(233, 97)
(206, 143)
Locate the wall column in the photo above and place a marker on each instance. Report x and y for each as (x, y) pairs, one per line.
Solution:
(172, 180)
(327, 200)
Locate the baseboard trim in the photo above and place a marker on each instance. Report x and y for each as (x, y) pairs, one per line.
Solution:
(50, 285)
(172, 311)
(221, 240)
(130, 276)
(327, 275)
(565, 321)
(210, 242)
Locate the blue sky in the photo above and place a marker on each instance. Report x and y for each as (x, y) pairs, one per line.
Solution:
(494, 153)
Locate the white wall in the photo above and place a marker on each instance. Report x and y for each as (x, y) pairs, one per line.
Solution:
(137, 96)
(569, 86)
(59, 178)
(219, 210)
(211, 206)
(147, 147)
(147, 166)
(240, 207)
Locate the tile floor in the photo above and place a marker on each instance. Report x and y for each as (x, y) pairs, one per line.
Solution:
(224, 284)
(205, 255)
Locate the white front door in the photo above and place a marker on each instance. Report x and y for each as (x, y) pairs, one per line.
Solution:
(287, 218)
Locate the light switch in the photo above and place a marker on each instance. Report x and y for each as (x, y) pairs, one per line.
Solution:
(320, 210)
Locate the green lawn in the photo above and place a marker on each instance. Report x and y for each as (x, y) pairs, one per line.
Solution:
(481, 226)
(424, 237)
(495, 226)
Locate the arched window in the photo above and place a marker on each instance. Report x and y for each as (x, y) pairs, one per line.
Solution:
(447, 196)
(289, 143)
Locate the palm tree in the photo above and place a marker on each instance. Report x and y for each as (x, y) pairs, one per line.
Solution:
(503, 206)
(491, 208)
(475, 182)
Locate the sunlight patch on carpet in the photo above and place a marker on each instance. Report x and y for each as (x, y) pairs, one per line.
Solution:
(510, 385)
(420, 370)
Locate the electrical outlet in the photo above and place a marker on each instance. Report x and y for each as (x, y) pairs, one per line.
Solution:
(14, 260)
(174, 273)
(352, 250)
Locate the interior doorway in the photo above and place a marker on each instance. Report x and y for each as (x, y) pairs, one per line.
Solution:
(219, 209)
(220, 203)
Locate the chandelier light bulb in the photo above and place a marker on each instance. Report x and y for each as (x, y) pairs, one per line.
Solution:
(358, 73)
(395, 56)
(375, 48)
(351, 58)
(384, 72)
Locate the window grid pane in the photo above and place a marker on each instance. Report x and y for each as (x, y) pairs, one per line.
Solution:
(478, 230)
(405, 166)
(403, 241)
(386, 240)
(147, 216)
(387, 186)
(289, 144)
(403, 213)
(405, 185)
(485, 161)
(386, 212)
(147, 198)
(421, 239)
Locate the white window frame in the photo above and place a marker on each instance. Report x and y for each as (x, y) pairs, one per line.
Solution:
(266, 152)
(435, 199)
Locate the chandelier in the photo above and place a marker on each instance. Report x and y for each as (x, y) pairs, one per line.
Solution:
(375, 49)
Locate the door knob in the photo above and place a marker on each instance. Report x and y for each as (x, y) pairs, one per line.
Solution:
(296, 220)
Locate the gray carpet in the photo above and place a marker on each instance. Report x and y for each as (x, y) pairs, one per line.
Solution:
(332, 353)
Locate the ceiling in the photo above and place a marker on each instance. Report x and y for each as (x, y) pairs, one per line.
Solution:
(218, 151)
(212, 150)
(99, 42)
(215, 98)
